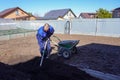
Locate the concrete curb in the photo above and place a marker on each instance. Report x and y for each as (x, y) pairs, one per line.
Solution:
(101, 75)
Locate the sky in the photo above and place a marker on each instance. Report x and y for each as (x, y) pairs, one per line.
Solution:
(40, 7)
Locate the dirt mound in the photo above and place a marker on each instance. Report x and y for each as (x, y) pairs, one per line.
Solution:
(51, 70)
(100, 57)
(8, 73)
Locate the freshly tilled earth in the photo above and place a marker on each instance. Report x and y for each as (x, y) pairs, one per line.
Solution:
(18, 59)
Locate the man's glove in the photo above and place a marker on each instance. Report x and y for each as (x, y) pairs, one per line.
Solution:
(45, 39)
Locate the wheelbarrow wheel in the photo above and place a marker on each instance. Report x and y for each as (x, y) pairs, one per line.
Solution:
(66, 54)
(74, 50)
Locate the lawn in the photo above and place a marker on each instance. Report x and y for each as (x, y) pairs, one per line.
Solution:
(14, 31)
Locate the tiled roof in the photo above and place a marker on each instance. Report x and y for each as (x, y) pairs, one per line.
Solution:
(116, 9)
(7, 11)
(54, 14)
(87, 15)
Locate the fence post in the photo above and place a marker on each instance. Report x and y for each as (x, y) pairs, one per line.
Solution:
(96, 27)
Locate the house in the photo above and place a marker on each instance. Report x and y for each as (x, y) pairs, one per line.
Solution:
(87, 15)
(60, 14)
(116, 13)
(16, 13)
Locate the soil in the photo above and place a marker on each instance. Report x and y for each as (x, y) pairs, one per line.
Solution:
(18, 59)
(50, 70)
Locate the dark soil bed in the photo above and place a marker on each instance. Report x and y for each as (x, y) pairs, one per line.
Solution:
(50, 70)
(101, 57)
(94, 52)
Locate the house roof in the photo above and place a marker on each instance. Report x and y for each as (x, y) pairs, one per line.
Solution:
(8, 11)
(116, 9)
(86, 15)
(54, 14)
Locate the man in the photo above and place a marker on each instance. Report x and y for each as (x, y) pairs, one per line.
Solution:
(43, 35)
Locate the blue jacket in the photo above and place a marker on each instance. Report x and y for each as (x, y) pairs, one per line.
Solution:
(42, 34)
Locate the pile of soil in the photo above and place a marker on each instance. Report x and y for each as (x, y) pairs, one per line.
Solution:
(101, 57)
(50, 70)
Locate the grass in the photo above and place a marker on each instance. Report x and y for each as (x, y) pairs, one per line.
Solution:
(14, 31)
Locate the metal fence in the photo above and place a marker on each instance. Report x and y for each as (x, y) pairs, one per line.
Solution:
(95, 27)
(34, 25)
(99, 27)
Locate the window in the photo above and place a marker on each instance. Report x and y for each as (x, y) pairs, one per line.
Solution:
(69, 14)
(17, 13)
(118, 14)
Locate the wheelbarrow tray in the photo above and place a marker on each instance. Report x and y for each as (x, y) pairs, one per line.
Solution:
(69, 44)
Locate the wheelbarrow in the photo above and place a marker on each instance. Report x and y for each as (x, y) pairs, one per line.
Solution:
(66, 47)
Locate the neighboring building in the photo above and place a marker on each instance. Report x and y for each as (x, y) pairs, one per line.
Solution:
(16, 14)
(60, 14)
(116, 13)
(87, 15)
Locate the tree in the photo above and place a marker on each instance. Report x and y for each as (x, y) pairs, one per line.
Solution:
(30, 13)
(103, 13)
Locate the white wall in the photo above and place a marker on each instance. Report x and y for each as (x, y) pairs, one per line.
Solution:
(99, 27)
(69, 15)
